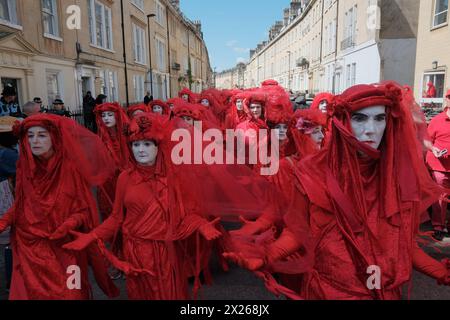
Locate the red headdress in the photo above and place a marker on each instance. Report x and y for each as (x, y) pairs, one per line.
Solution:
(189, 110)
(321, 97)
(138, 107)
(350, 179)
(162, 104)
(191, 95)
(114, 138)
(303, 124)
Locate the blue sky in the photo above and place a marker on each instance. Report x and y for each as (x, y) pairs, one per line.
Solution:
(232, 27)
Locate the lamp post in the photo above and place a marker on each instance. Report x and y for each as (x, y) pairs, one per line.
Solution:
(150, 51)
(289, 70)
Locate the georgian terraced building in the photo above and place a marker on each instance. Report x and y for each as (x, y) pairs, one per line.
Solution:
(64, 48)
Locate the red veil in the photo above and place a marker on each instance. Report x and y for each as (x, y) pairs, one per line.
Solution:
(114, 140)
(333, 181)
(162, 104)
(138, 107)
(50, 193)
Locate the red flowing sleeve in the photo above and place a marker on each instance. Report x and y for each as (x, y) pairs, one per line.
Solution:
(110, 226)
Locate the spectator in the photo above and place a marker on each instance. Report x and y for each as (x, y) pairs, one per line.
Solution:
(31, 108)
(88, 111)
(8, 104)
(59, 108)
(148, 98)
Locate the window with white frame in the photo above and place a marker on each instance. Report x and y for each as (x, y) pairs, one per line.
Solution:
(100, 25)
(8, 11)
(50, 17)
(350, 24)
(440, 12)
(139, 44)
(160, 13)
(161, 54)
(53, 85)
(139, 87)
(109, 85)
(348, 83)
(139, 4)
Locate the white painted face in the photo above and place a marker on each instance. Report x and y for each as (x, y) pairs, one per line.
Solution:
(40, 142)
(157, 109)
(185, 97)
(239, 105)
(256, 110)
(136, 113)
(188, 120)
(145, 152)
(171, 106)
(205, 102)
(281, 130)
(369, 125)
(109, 119)
(317, 136)
(323, 106)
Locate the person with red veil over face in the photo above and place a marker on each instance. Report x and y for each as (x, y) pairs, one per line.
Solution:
(59, 163)
(133, 111)
(153, 216)
(237, 113)
(358, 205)
(215, 110)
(321, 101)
(159, 107)
(187, 95)
(111, 122)
(431, 91)
(173, 102)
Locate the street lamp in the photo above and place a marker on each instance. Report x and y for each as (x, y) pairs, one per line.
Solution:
(150, 52)
(289, 69)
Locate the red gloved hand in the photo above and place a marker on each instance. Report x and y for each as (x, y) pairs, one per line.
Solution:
(285, 245)
(431, 267)
(82, 241)
(250, 228)
(64, 229)
(251, 264)
(131, 271)
(209, 232)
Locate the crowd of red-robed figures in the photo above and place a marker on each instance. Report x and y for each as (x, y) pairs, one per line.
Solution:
(350, 194)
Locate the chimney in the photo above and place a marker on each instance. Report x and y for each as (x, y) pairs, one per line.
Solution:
(198, 25)
(175, 3)
(295, 7)
(286, 16)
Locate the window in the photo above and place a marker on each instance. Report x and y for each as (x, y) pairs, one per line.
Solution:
(8, 11)
(109, 85)
(160, 13)
(348, 73)
(138, 3)
(139, 44)
(50, 17)
(440, 12)
(100, 25)
(161, 55)
(433, 98)
(138, 82)
(53, 86)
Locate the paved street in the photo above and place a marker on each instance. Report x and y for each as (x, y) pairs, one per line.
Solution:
(238, 284)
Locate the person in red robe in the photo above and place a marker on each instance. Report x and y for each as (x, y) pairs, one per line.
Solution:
(111, 122)
(159, 107)
(357, 209)
(431, 91)
(237, 113)
(154, 217)
(59, 163)
(187, 95)
(133, 111)
(439, 162)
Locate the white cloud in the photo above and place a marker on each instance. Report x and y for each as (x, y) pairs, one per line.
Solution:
(240, 59)
(231, 43)
(241, 50)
